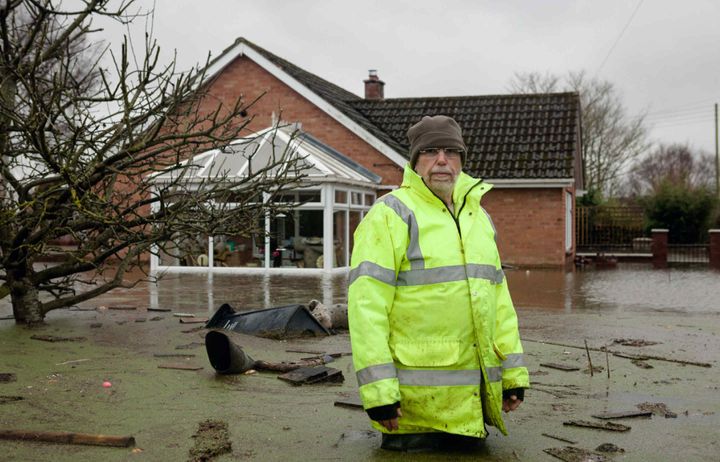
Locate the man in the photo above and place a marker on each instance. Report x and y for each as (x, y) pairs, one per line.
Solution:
(433, 329)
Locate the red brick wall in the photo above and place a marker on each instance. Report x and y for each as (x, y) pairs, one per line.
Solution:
(245, 77)
(530, 223)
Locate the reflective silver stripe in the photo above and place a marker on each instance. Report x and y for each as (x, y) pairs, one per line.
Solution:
(491, 222)
(375, 271)
(414, 255)
(488, 272)
(433, 378)
(494, 374)
(513, 360)
(426, 378)
(431, 275)
(374, 373)
(449, 274)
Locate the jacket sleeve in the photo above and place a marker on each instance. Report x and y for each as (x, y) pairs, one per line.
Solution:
(507, 341)
(374, 268)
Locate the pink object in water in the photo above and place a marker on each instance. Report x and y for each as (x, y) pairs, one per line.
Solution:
(107, 384)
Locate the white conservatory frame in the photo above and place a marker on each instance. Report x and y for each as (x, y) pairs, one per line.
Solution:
(332, 174)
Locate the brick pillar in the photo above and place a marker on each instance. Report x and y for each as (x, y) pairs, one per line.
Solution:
(715, 248)
(659, 247)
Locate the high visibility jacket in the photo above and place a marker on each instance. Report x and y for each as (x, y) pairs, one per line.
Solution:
(432, 325)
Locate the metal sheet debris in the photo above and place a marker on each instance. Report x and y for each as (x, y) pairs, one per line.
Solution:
(278, 323)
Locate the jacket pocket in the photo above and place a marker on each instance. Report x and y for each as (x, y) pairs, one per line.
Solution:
(428, 353)
(499, 353)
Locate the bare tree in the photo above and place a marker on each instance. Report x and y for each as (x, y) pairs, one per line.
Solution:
(611, 139)
(80, 148)
(674, 163)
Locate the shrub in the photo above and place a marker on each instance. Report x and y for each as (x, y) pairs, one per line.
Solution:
(687, 212)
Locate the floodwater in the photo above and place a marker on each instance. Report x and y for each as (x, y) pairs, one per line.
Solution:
(632, 287)
(676, 311)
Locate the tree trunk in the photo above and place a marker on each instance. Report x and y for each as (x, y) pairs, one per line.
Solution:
(26, 302)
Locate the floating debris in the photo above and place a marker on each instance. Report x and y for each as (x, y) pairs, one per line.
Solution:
(315, 374)
(68, 438)
(190, 345)
(181, 367)
(6, 377)
(610, 426)
(573, 454)
(4, 399)
(559, 438)
(657, 409)
(350, 403)
(174, 355)
(161, 310)
(634, 342)
(212, 439)
(122, 307)
(57, 338)
(193, 320)
(562, 367)
(277, 323)
(641, 364)
(609, 447)
(622, 415)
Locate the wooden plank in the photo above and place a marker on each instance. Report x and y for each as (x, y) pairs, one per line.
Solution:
(181, 367)
(193, 320)
(559, 438)
(609, 426)
(174, 355)
(349, 403)
(10, 399)
(573, 454)
(68, 438)
(622, 415)
(56, 338)
(122, 307)
(307, 375)
(160, 310)
(562, 367)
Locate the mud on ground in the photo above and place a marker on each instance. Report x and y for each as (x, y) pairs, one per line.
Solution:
(61, 385)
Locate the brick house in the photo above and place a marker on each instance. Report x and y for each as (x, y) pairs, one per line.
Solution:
(527, 146)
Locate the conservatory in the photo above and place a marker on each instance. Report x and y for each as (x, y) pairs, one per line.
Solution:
(313, 233)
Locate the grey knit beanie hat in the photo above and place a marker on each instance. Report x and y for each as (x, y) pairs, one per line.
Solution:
(435, 132)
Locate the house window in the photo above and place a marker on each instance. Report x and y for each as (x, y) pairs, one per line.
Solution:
(340, 197)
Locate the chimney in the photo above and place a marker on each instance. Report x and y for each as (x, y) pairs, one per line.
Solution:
(374, 87)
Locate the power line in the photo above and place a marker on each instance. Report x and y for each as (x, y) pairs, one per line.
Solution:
(617, 40)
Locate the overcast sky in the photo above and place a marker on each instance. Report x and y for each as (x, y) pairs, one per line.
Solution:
(662, 55)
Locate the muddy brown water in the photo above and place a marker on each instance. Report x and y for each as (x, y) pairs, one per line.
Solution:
(61, 383)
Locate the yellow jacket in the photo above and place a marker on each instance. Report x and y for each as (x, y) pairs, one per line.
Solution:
(432, 324)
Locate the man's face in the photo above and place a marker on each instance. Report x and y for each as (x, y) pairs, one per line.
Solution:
(439, 168)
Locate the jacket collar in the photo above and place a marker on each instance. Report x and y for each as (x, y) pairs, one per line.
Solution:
(464, 184)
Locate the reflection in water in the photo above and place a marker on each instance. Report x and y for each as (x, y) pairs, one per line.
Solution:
(629, 287)
(195, 292)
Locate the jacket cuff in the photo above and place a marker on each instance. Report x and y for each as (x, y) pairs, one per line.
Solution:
(386, 412)
(519, 392)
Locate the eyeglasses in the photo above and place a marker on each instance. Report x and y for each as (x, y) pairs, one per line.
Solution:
(449, 152)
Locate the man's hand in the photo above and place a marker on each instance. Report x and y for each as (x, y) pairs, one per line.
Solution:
(511, 403)
(391, 424)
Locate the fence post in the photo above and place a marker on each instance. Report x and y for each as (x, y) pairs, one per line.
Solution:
(715, 248)
(659, 247)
